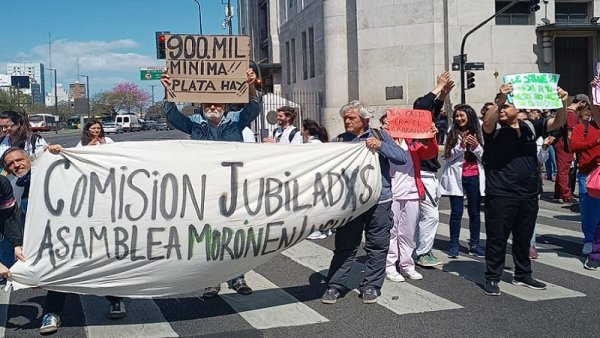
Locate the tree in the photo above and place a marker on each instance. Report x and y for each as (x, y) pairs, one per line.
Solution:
(125, 98)
(15, 100)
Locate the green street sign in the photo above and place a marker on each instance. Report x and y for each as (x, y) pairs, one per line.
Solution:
(150, 73)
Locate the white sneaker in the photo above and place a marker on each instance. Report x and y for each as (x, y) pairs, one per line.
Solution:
(316, 235)
(412, 274)
(394, 276)
(587, 248)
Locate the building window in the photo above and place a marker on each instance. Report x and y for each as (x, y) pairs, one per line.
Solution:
(311, 48)
(293, 55)
(518, 14)
(304, 57)
(571, 12)
(288, 63)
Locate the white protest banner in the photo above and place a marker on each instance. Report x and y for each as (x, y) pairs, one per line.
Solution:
(207, 68)
(158, 218)
(534, 90)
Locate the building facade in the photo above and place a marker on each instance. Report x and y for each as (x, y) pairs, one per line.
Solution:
(35, 71)
(388, 52)
(61, 95)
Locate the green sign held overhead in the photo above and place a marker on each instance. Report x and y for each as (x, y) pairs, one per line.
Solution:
(534, 90)
(151, 73)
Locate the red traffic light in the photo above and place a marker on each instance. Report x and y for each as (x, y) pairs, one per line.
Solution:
(162, 38)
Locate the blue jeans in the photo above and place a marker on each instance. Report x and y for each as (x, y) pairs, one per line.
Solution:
(550, 163)
(590, 210)
(471, 190)
(7, 253)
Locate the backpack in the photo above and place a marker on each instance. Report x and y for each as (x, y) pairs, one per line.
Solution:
(34, 139)
(291, 136)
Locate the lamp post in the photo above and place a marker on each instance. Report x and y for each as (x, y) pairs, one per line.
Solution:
(199, 15)
(55, 92)
(152, 86)
(87, 93)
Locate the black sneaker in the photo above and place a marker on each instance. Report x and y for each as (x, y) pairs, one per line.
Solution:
(529, 282)
(330, 296)
(491, 288)
(369, 296)
(242, 288)
(591, 264)
(117, 310)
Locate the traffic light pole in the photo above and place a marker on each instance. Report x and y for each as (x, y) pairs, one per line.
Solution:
(462, 48)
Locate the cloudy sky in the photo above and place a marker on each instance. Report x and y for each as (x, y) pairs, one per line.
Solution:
(108, 40)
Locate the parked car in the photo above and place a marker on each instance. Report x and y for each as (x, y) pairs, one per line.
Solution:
(130, 122)
(151, 124)
(162, 126)
(112, 128)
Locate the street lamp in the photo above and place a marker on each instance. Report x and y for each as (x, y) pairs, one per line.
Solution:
(199, 15)
(87, 92)
(55, 92)
(153, 93)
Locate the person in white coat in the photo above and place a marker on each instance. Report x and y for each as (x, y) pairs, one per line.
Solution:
(463, 176)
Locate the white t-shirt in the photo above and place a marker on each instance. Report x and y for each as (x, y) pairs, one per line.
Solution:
(283, 136)
(404, 184)
(107, 140)
(248, 135)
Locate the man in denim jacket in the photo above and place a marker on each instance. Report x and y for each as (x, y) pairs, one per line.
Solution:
(214, 125)
(375, 222)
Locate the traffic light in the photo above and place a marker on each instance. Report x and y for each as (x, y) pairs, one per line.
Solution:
(470, 80)
(161, 40)
(534, 5)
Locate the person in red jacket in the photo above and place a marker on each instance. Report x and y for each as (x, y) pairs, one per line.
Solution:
(585, 141)
(407, 190)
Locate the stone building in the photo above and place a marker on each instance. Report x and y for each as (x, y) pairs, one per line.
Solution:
(388, 52)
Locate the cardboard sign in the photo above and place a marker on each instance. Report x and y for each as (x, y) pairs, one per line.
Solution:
(534, 91)
(121, 219)
(207, 69)
(409, 123)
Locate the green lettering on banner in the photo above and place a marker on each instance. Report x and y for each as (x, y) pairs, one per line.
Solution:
(534, 90)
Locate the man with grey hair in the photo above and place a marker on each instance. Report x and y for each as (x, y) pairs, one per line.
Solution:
(375, 222)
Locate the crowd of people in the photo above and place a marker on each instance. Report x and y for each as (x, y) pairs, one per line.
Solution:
(495, 158)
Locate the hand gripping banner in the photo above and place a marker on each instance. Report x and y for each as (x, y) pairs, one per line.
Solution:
(144, 219)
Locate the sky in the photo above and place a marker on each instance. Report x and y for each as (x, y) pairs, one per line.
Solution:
(111, 38)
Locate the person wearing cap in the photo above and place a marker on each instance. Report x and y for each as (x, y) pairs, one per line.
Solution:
(376, 222)
(564, 156)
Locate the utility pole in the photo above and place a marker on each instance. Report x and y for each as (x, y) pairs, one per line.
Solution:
(462, 47)
(55, 92)
(199, 15)
(152, 86)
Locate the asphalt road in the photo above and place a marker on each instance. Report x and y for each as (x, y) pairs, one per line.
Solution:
(448, 302)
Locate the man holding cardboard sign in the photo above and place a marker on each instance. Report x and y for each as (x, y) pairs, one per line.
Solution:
(191, 63)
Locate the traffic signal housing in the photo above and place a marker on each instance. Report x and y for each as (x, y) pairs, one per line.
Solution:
(534, 5)
(470, 80)
(161, 41)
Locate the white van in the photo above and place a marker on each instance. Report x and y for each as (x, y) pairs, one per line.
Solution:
(129, 122)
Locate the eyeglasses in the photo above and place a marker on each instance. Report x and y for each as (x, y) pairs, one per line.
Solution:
(7, 126)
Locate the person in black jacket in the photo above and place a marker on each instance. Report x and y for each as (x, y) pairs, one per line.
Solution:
(429, 216)
(10, 222)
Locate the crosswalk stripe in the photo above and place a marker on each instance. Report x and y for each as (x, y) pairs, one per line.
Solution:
(268, 306)
(401, 298)
(560, 216)
(475, 272)
(144, 319)
(563, 261)
(540, 229)
(4, 302)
